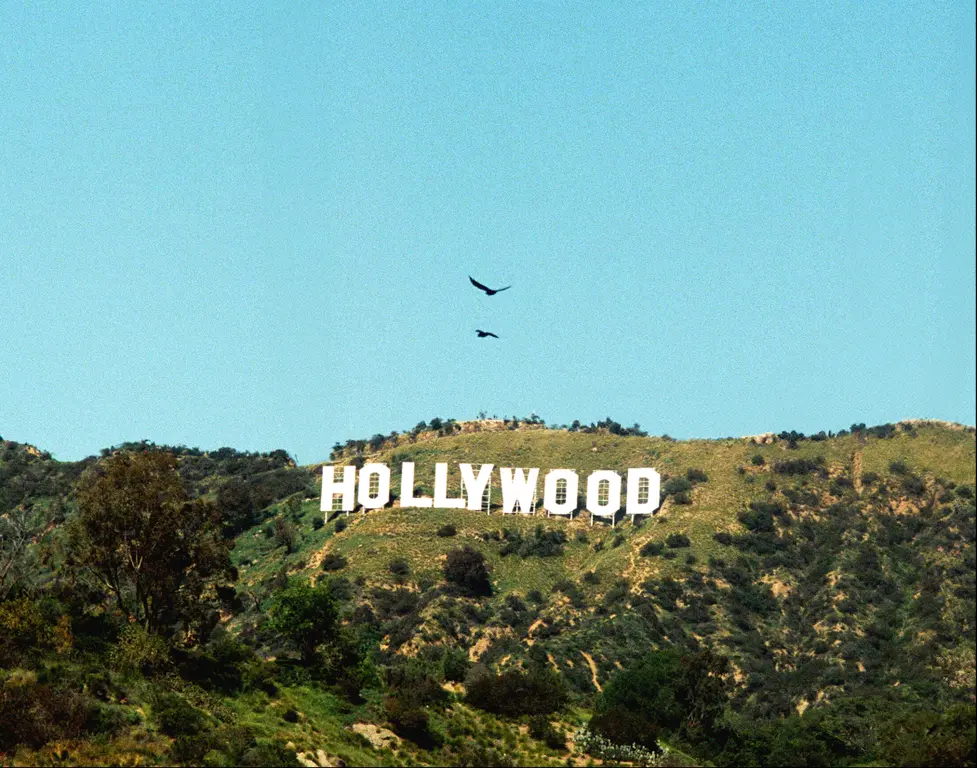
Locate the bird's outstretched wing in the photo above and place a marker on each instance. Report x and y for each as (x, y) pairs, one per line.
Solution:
(498, 290)
(479, 285)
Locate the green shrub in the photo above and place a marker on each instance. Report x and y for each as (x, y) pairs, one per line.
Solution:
(109, 718)
(541, 729)
(34, 714)
(514, 692)
(571, 590)
(620, 725)
(651, 549)
(676, 485)
(542, 542)
(175, 716)
(758, 460)
(913, 485)
(447, 530)
(455, 664)
(667, 691)
(305, 615)
(696, 476)
(219, 665)
(678, 540)
(840, 485)
(617, 593)
(334, 562)
(341, 524)
(269, 755)
(140, 651)
(466, 568)
(399, 567)
(800, 466)
(759, 518)
(410, 720)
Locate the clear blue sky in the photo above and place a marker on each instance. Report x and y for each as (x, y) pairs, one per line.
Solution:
(252, 225)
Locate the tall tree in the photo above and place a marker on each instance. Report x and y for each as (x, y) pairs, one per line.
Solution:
(305, 615)
(153, 549)
(18, 528)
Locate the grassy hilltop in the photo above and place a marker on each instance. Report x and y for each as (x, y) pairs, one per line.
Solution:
(733, 481)
(808, 599)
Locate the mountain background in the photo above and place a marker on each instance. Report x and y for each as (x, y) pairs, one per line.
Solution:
(823, 586)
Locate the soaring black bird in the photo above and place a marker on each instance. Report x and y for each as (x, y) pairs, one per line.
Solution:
(482, 334)
(488, 291)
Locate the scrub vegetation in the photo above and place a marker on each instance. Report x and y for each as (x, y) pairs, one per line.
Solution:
(797, 600)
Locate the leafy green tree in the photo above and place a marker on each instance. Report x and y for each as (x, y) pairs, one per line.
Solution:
(285, 533)
(648, 689)
(148, 545)
(466, 567)
(18, 562)
(664, 691)
(513, 692)
(928, 738)
(305, 615)
(703, 690)
(236, 506)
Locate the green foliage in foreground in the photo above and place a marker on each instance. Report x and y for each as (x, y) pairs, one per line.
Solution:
(306, 615)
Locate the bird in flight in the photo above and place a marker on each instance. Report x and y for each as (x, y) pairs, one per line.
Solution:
(488, 291)
(482, 334)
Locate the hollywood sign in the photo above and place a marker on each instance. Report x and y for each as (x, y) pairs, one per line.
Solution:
(370, 487)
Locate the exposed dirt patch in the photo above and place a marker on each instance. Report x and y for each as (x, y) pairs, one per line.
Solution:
(593, 669)
(779, 588)
(318, 760)
(532, 628)
(377, 736)
(483, 643)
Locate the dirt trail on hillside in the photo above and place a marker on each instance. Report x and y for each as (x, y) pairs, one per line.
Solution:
(856, 471)
(593, 669)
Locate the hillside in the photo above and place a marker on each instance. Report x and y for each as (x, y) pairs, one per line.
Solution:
(834, 574)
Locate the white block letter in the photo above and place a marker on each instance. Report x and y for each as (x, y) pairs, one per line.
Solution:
(346, 486)
(475, 486)
(407, 497)
(516, 487)
(613, 503)
(569, 505)
(441, 500)
(382, 473)
(654, 480)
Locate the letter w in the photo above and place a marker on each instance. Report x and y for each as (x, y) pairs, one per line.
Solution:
(517, 489)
